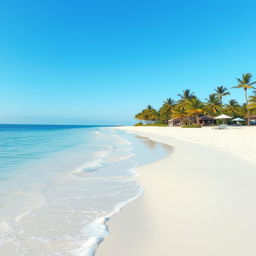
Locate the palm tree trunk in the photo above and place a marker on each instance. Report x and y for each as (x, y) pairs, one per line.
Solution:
(197, 120)
(247, 107)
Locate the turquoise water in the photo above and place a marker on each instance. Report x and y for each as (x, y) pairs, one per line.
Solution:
(59, 184)
(21, 143)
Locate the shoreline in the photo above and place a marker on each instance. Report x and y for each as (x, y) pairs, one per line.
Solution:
(240, 141)
(100, 225)
(192, 205)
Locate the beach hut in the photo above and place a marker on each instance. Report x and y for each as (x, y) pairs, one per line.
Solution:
(207, 120)
(252, 119)
(174, 122)
(179, 122)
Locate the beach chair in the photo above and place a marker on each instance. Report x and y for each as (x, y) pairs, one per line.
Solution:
(221, 127)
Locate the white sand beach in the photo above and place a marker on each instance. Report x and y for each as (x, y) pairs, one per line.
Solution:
(198, 201)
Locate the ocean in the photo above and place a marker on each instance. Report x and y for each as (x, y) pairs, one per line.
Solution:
(60, 184)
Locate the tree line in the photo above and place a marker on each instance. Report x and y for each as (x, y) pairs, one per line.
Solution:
(188, 107)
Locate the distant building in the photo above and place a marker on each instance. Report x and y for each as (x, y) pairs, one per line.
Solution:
(204, 121)
(207, 120)
(252, 119)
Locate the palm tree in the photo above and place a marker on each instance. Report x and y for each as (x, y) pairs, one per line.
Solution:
(232, 107)
(221, 91)
(169, 101)
(185, 98)
(242, 110)
(139, 116)
(166, 110)
(180, 113)
(195, 108)
(151, 113)
(245, 83)
(149, 107)
(148, 115)
(252, 101)
(213, 105)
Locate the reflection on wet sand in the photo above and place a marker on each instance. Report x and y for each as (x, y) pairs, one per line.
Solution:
(153, 144)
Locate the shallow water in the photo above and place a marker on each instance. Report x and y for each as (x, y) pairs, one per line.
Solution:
(58, 184)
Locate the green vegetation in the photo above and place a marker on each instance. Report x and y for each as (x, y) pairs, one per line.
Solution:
(188, 108)
(245, 83)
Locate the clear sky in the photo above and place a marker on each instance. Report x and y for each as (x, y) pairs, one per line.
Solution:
(100, 62)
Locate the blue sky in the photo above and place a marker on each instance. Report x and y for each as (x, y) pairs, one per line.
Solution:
(100, 62)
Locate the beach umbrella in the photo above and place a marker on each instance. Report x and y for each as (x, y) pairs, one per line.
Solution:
(238, 119)
(223, 117)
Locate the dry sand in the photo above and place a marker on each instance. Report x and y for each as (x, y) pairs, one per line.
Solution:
(198, 201)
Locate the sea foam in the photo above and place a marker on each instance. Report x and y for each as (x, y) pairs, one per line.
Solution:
(60, 200)
(59, 187)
